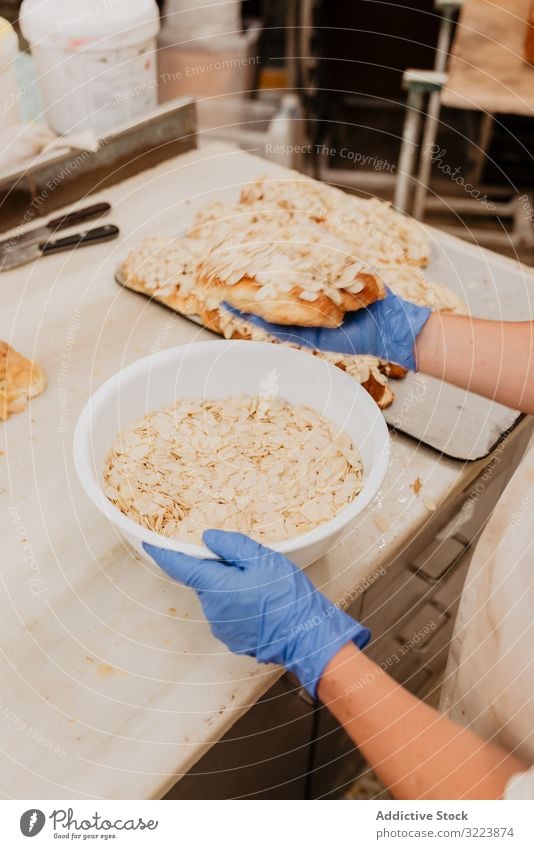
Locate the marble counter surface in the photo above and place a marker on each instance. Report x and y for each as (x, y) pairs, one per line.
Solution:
(111, 683)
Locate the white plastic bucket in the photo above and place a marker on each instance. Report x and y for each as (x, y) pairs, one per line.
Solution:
(95, 60)
(9, 92)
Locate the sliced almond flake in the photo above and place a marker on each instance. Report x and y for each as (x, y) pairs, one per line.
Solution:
(417, 485)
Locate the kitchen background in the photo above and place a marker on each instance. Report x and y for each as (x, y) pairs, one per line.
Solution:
(362, 110)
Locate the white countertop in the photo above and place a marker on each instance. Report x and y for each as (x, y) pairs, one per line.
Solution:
(112, 685)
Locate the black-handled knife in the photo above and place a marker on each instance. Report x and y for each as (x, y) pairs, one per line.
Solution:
(42, 234)
(21, 256)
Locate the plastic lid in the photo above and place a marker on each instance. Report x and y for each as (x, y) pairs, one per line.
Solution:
(8, 42)
(88, 19)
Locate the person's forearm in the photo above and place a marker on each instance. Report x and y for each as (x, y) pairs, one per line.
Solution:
(416, 752)
(491, 358)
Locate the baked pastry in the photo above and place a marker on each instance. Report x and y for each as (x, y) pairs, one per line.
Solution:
(293, 251)
(288, 276)
(161, 269)
(20, 380)
(367, 224)
(288, 273)
(166, 269)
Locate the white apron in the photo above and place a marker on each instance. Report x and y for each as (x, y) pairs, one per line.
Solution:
(489, 682)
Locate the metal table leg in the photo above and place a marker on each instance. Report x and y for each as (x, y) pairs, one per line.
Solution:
(410, 138)
(448, 10)
(418, 83)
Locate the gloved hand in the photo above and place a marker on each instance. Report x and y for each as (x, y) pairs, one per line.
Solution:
(258, 603)
(387, 329)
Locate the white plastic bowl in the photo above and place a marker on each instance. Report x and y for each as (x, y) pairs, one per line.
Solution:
(221, 369)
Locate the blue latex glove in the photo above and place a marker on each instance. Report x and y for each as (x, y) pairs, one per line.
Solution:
(387, 329)
(258, 603)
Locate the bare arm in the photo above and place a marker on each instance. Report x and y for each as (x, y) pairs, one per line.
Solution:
(491, 358)
(417, 752)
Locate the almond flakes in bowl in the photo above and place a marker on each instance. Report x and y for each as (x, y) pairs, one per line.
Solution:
(263, 467)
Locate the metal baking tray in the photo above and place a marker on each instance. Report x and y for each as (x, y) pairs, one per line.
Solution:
(456, 423)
